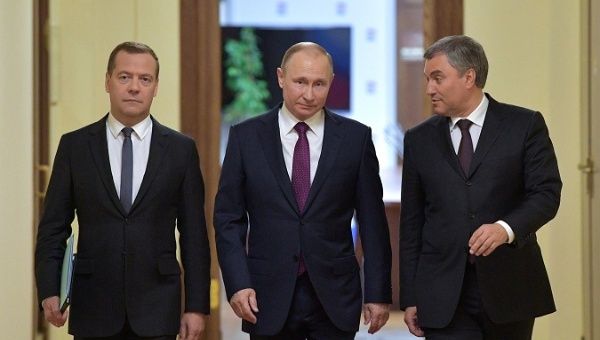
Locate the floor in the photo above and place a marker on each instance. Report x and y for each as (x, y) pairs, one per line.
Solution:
(395, 329)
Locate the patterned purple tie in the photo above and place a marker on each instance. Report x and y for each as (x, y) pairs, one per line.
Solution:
(465, 148)
(301, 166)
(301, 176)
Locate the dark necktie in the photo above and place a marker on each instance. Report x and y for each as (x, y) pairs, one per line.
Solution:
(465, 149)
(465, 155)
(126, 170)
(301, 176)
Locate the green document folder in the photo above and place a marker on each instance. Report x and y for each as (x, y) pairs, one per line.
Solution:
(66, 278)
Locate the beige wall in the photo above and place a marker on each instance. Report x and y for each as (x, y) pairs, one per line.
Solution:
(83, 32)
(16, 185)
(534, 50)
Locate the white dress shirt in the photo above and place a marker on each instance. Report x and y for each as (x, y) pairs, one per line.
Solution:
(477, 117)
(140, 142)
(289, 137)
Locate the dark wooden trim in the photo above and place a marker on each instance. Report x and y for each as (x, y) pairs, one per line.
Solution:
(409, 80)
(201, 112)
(41, 127)
(440, 18)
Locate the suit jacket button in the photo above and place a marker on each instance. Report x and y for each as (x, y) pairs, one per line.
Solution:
(472, 216)
(126, 221)
(469, 183)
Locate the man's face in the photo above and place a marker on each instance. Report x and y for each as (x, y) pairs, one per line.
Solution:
(305, 82)
(132, 85)
(449, 91)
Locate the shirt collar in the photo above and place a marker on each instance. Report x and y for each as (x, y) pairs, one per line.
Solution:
(288, 121)
(140, 129)
(477, 116)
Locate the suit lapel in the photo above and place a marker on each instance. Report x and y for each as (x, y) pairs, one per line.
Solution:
(271, 145)
(492, 128)
(158, 148)
(99, 149)
(332, 139)
(445, 144)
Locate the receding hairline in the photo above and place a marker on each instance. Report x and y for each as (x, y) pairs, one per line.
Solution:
(309, 47)
(131, 47)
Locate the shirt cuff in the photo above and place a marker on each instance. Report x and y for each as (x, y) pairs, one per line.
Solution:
(509, 231)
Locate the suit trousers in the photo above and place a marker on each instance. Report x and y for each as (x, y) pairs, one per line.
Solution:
(471, 322)
(127, 334)
(307, 318)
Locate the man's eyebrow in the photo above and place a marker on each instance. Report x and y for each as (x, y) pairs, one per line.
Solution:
(435, 73)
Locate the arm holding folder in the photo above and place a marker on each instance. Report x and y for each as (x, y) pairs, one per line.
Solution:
(55, 307)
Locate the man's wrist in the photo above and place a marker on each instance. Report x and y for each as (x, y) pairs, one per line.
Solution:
(509, 232)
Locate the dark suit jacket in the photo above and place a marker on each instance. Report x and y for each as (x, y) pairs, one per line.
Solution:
(126, 263)
(513, 177)
(255, 189)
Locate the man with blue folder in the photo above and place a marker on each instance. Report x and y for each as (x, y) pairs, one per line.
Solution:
(131, 181)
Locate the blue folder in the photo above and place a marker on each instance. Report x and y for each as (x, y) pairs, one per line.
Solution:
(66, 278)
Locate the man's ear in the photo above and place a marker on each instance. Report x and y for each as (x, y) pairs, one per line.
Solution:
(280, 77)
(470, 77)
(106, 80)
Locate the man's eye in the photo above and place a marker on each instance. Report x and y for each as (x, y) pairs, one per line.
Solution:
(123, 78)
(146, 80)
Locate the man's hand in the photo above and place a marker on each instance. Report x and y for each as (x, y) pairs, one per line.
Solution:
(411, 320)
(486, 239)
(376, 314)
(52, 312)
(244, 304)
(192, 326)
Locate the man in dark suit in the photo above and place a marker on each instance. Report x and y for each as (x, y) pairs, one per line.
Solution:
(130, 181)
(479, 179)
(290, 184)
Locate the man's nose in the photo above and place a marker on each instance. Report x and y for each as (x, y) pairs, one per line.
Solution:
(309, 93)
(134, 85)
(429, 88)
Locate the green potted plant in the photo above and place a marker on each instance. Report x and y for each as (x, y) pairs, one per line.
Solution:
(244, 72)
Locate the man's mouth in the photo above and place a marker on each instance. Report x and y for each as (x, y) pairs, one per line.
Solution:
(307, 106)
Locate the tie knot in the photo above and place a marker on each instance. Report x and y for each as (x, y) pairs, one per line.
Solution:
(127, 132)
(464, 124)
(301, 128)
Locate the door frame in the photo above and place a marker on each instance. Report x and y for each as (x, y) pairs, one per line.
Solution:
(590, 142)
(41, 127)
(200, 67)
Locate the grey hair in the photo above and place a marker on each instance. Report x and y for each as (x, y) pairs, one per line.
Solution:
(463, 53)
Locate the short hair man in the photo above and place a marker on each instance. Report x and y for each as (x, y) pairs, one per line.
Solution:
(290, 184)
(479, 179)
(130, 180)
